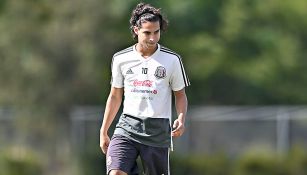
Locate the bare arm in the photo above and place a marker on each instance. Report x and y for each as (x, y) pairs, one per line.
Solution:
(181, 107)
(112, 107)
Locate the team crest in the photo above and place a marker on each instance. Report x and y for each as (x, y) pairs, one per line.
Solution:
(160, 72)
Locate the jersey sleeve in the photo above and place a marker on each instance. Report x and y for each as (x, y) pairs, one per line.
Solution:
(117, 79)
(179, 78)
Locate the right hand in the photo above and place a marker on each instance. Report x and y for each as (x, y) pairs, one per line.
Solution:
(104, 142)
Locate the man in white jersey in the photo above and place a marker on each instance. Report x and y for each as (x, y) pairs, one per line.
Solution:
(146, 74)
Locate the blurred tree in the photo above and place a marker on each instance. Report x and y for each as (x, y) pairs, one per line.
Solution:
(242, 52)
(263, 52)
(57, 54)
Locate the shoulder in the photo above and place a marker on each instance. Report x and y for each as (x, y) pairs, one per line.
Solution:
(169, 52)
(124, 52)
(122, 55)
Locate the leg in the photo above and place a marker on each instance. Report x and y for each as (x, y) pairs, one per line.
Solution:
(121, 156)
(155, 160)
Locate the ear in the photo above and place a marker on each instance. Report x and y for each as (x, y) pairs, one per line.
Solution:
(136, 30)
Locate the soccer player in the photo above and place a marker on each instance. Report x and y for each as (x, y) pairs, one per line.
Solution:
(147, 74)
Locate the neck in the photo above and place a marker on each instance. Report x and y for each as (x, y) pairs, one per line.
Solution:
(145, 51)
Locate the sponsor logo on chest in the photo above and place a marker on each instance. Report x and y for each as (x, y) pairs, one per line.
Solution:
(146, 83)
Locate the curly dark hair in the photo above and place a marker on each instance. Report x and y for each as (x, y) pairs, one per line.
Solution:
(146, 12)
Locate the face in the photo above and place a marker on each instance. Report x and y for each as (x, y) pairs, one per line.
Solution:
(148, 34)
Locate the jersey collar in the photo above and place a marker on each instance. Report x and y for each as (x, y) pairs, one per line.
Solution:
(150, 57)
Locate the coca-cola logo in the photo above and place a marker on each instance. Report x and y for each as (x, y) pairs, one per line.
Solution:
(146, 83)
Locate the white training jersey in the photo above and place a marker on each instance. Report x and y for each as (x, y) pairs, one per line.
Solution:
(148, 83)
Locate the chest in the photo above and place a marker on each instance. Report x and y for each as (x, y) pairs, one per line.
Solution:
(146, 73)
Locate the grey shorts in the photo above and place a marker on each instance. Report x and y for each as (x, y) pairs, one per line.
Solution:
(123, 153)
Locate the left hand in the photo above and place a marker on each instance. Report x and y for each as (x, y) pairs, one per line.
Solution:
(178, 128)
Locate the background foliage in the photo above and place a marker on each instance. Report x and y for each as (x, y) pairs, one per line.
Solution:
(57, 54)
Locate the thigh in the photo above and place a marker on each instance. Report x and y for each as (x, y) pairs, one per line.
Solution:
(155, 160)
(122, 155)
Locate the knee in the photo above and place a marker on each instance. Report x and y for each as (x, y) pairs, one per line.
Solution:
(117, 172)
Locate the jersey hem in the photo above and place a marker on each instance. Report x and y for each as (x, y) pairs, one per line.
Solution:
(140, 142)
